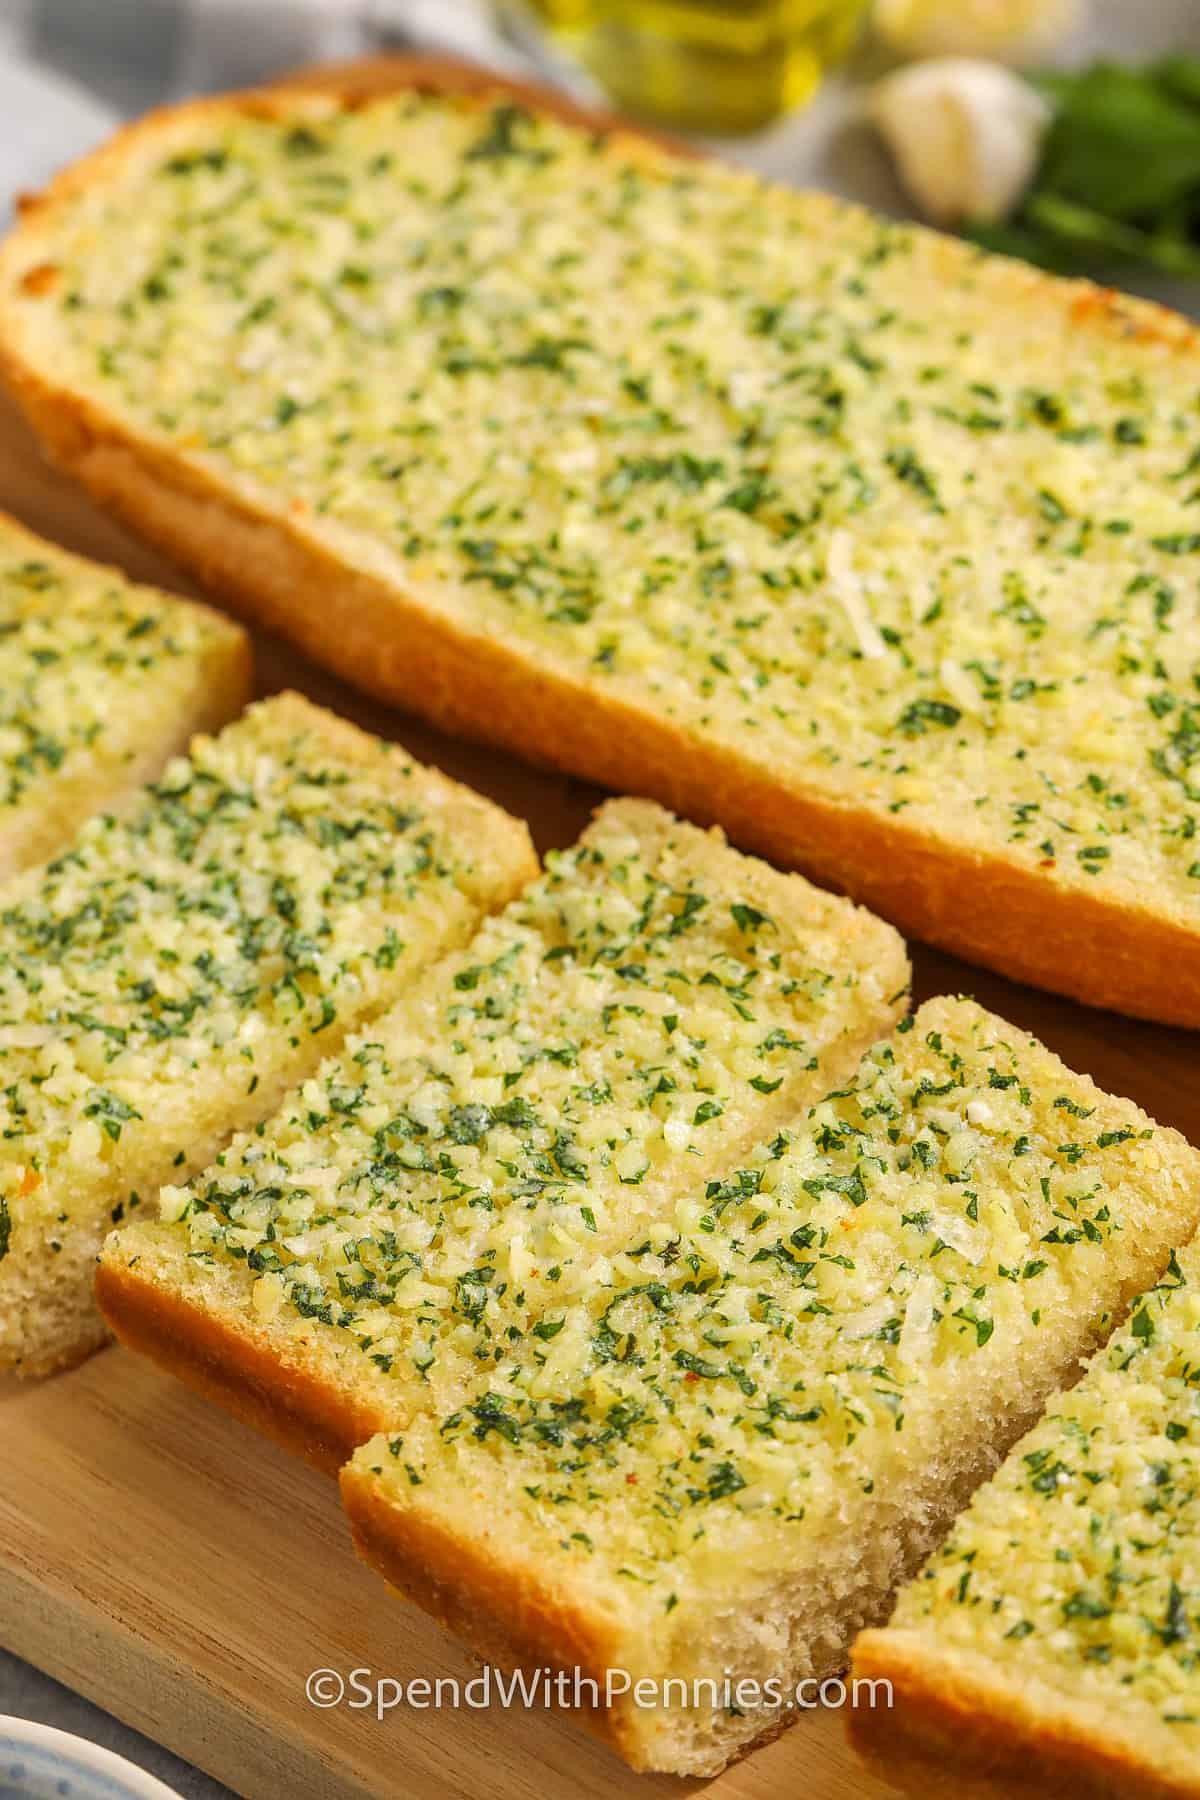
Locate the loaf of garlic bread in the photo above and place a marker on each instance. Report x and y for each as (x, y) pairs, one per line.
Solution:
(1050, 1644)
(879, 551)
(627, 1026)
(101, 682)
(169, 977)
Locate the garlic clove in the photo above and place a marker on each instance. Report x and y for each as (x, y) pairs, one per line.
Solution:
(966, 136)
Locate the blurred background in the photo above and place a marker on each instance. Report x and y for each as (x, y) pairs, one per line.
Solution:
(1067, 131)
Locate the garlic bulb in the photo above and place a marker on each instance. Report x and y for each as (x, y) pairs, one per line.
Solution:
(1014, 31)
(966, 136)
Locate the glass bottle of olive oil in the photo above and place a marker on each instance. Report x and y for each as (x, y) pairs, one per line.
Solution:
(703, 65)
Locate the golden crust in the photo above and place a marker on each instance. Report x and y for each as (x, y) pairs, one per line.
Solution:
(956, 1732)
(985, 907)
(287, 1399)
(498, 1604)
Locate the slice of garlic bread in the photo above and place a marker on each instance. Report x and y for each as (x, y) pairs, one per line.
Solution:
(627, 1027)
(172, 974)
(101, 682)
(878, 551)
(711, 1464)
(1050, 1644)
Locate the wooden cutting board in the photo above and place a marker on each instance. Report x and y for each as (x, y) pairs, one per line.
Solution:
(188, 1576)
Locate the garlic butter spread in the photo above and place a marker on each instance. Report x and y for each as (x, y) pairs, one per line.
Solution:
(1077, 1565)
(465, 1173)
(512, 1206)
(260, 898)
(785, 1339)
(84, 659)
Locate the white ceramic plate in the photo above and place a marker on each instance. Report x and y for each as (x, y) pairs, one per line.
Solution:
(38, 1763)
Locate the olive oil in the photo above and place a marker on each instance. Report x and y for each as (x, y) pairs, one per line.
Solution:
(704, 65)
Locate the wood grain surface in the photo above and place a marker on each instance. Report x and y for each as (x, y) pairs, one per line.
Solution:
(187, 1576)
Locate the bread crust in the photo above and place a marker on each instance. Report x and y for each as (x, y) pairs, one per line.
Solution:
(283, 1397)
(958, 1732)
(505, 1609)
(486, 1598)
(1038, 927)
